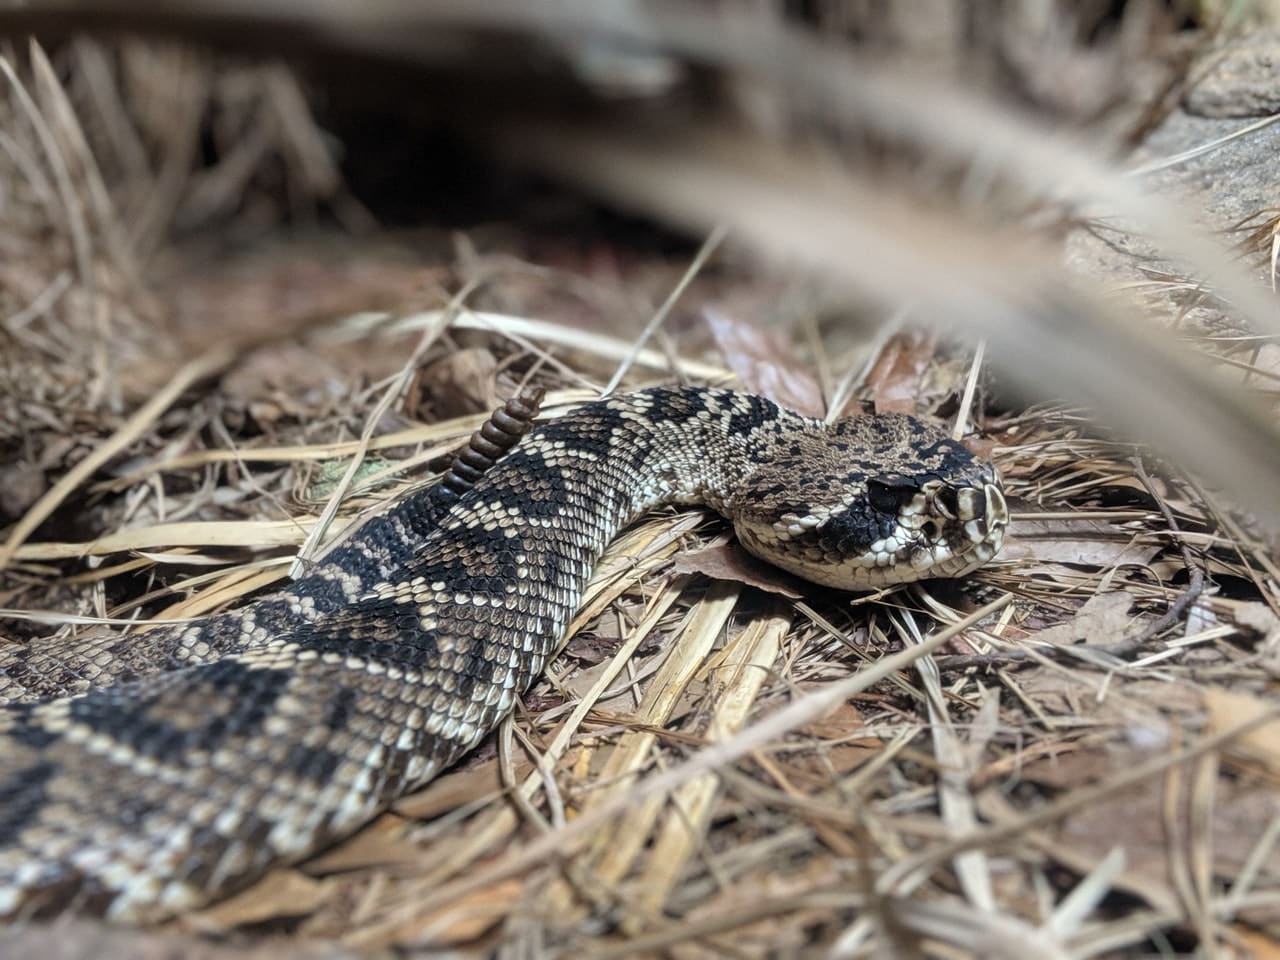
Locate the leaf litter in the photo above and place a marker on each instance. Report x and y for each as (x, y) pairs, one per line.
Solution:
(1029, 784)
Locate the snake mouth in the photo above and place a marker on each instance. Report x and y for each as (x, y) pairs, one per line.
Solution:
(938, 530)
(972, 533)
(980, 513)
(953, 529)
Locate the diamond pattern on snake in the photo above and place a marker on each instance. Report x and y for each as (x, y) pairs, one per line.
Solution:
(148, 776)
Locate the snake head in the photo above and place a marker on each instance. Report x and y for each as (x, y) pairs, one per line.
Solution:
(873, 501)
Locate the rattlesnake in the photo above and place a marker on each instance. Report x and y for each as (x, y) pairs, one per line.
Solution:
(258, 736)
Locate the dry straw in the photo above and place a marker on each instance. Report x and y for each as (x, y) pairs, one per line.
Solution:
(1071, 756)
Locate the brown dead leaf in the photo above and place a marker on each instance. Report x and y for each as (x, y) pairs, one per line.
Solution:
(21, 485)
(592, 648)
(1087, 543)
(454, 790)
(839, 723)
(1258, 946)
(1146, 711)
(605, 634)
(895, 377)
(281, 893)
(1103, 619)
(764, 363)
(728, 561)
(462, 921)
(460, 383)
(1067, 771)
(379, 844)
(1135, 820)
(981, 447)
(579, 683)
(1256, 617)
(840, 749)
(1261, 745)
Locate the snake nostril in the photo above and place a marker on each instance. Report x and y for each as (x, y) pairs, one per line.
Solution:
(930, 529)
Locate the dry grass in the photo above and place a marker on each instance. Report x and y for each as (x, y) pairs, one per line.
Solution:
(1073, 754)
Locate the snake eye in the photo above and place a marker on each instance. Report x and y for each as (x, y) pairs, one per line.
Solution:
(886, 498)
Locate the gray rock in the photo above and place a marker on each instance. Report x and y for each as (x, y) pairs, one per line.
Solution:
(1242, 80)
(1228, 190)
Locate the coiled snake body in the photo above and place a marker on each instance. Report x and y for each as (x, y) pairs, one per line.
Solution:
(260, 735)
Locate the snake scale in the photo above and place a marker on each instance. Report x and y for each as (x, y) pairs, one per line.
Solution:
(144, 776)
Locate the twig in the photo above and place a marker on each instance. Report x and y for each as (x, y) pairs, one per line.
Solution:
(708, 247)
(970, 387)
(965, 661)
(1195, 571)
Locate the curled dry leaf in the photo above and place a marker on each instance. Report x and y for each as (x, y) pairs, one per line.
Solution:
(590, 648)
(726, 561)
(895, 377)
(600, 640)
(764, 363)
